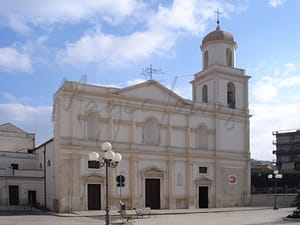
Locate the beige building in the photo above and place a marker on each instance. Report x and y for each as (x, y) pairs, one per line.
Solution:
(21, 172)
(177, 153)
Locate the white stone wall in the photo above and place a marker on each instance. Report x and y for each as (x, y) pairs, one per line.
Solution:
(28, 176)
(14, 139)
(175, 159)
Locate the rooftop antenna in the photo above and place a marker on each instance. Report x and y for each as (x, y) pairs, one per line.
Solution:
(149, 71)
(218, 18)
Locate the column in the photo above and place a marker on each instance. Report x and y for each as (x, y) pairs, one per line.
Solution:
(189, 185)
(170, 185)
(133, 188)
(75, 183)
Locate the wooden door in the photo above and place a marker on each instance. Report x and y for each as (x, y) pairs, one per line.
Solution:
(13, 195)
(152, 192)
(32, 198)
(203, 197)
(94, 196)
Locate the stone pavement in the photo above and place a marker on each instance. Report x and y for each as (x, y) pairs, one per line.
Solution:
(219, 216)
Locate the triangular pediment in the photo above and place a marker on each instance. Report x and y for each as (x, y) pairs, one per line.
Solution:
(152, 172)
(92, 178)
(10, 128)
(152, 90)
(203, 181)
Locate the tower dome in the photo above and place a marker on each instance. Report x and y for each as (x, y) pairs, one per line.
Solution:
(218, 47)
(218, 35)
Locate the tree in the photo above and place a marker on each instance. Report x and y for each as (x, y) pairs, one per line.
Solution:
(296, 213)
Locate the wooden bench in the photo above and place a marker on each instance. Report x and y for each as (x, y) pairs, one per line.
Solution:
(141, 212)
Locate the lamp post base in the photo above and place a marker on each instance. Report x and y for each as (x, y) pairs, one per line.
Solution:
(107, 220)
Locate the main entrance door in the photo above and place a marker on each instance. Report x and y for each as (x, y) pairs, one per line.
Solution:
(13, 195)
(94, 196)
(203, 197)
(152, 192)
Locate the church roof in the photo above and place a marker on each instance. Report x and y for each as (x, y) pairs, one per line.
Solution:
(153, 90)
(218, 35)
(8, 127)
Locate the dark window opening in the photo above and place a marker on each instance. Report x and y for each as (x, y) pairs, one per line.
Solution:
(229, 57)
(93, 164)
(205, 63)
(231, 95)
(204, 94)
(202, 169)
(297, 165)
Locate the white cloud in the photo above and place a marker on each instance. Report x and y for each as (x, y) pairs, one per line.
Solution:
(14, 61)
(157, 37)
(275, 106)
(274, 88)
(13, 99)
(265, 90)
(290, 68)
(275, 3)
(31, 119)
(182, 16)
(289, 82)
(116, 50)
(190, 16)
(21, 15)
(267, 118)
(157, 27)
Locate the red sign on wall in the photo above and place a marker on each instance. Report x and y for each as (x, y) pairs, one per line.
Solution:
(232, 179)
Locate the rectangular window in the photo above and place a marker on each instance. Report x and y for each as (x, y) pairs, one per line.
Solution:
(93, 164)
(202, 169)
(297, 165)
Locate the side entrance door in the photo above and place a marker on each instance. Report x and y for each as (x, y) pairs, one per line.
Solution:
(94, 196)
(32, 198)
(14, 195)
(203, 197)
(152, 192)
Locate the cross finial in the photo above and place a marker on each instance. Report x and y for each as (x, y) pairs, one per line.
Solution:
(218, 18)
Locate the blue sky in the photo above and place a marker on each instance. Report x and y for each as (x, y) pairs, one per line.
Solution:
(109, 42)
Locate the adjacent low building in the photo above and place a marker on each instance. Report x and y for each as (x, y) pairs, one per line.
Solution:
(21, 170)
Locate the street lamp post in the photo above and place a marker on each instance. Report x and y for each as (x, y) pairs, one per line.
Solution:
(276, 175)
(109, 159)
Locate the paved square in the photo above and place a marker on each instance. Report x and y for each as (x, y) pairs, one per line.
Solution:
(239, 216)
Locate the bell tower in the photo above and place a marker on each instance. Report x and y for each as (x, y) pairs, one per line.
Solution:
(220, 89)
(220, 82)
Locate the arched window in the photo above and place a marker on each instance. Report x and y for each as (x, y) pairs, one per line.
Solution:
(92, 126)
(231, 95)
(204, 94)
(151, 132)
(205, 60)
(229, 59)
(202, 137)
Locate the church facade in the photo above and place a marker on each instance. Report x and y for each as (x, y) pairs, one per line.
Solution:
(177, 153)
